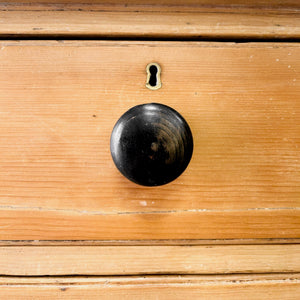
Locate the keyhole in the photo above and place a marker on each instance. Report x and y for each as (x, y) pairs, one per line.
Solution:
(153, 76)
(153, 72)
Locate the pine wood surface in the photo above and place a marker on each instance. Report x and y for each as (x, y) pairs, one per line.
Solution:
(64, 208)
(141, 260)
(160, 242)
(60, 100)
(149, 24)
(240, 19)
(277, 286)
(236, 6)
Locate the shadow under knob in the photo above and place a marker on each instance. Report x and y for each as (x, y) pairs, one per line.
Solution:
(151, 144)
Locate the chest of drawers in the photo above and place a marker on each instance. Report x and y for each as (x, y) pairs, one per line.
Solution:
(227, 227)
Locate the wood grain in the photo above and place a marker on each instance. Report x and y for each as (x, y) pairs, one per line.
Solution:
(149, 24)
(60, 100)
(161, 242)
(135, 260)
(163, 287)
(236, 6)
(39, 225)
(125, 3)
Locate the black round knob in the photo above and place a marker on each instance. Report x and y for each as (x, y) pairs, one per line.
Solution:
(151, 144)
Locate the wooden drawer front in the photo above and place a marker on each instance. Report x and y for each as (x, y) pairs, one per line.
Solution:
(60, 100)
(229, 287)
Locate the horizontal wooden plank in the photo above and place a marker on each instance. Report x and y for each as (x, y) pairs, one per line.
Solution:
(41, 225)
(163, 287)
(128, 3)
(135, 260)
(60, 100)
(149, 24)
(161, 242)
(236, 6)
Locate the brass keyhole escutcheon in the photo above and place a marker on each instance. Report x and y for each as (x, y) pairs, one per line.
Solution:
(153, 76)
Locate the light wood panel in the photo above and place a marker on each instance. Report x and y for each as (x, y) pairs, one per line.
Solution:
(149, 24)
(39, 225)
(164, 287)
(157, 5)
(161, 242)
(134, 260)
(60, 100)
(225, 3)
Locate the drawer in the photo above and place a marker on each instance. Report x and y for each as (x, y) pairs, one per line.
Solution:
(59, 101)
(179, 287)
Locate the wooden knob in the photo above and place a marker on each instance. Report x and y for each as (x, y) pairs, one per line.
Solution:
(151, 144)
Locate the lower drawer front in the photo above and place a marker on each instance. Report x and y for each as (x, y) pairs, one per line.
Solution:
(276, 287)
(60, 100)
